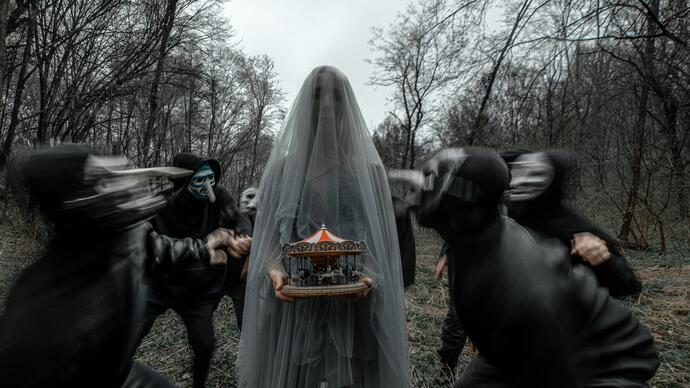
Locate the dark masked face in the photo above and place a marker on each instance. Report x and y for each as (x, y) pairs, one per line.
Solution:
(456, 191)
(201, 184)
(439, 178)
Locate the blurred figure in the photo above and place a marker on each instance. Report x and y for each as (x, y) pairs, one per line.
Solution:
(72, 318)
(408, 254)
(197, 206)
(324, 169)
(536, 320)
(539, 181)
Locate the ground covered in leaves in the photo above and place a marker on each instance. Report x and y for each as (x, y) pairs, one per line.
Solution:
(663, 307)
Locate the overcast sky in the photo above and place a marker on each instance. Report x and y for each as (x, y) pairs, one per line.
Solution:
(302, 34)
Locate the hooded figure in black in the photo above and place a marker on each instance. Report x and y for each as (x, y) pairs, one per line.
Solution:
(72, 317)
(408, 255)
(536, 320)
(197, 206)
(536, 201)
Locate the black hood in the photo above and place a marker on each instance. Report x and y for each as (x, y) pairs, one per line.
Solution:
(192, 162)
(76, 191)
(54, 174)
(467, 187)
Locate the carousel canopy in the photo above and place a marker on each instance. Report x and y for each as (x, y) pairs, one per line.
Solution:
(324, 243)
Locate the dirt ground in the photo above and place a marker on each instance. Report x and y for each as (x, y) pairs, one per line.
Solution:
(663, 307)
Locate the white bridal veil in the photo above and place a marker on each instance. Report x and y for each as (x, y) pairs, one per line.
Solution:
(324, 169)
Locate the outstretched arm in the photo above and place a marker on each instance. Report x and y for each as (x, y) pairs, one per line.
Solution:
(166, 254)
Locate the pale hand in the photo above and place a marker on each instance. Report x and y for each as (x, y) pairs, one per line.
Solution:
(215, 242)
(441, 266)
(279, 278)
(238, 245)
(590, 248)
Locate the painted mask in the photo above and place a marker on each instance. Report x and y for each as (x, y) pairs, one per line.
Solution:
(202, 182)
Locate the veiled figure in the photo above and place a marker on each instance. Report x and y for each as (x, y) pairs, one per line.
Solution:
(324, 169)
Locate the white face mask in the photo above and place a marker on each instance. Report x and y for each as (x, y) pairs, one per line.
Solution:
(531, 174)
(249, 201)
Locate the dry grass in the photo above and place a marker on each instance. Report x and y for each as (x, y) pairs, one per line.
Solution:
(663, 307)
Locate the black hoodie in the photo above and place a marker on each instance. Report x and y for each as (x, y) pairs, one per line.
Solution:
(548, 215)
(187, 216)
(539, 320)
(72, 317)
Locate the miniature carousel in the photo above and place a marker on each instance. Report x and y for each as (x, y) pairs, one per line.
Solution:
(323, 265)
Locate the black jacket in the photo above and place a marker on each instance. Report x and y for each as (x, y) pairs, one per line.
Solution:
(548, 215)
(186, 216)
(540, 320)
(72, 318)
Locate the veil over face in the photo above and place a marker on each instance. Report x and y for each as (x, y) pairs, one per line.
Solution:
(324, 169)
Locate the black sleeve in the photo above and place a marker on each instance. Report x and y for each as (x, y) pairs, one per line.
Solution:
(166, 254)
(614, 274)
(444, 250)
(406, 243)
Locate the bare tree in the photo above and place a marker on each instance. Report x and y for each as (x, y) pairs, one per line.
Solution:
(265, 95)
(418, 55)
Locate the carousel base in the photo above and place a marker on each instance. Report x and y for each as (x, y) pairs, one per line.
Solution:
(335, 290)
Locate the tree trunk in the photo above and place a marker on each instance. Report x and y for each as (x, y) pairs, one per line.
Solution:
(408, 138)
(189, 117)
(257, 134)
(639, 131)
(18, 95)
(168, 21)
(211, 126)
(480, 121)
(3, 32)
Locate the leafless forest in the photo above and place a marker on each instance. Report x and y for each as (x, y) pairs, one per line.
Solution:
(607, 79)
(144, 78)
(150, 78)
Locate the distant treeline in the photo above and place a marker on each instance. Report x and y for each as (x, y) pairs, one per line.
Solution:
(609, 80)
(147, 78)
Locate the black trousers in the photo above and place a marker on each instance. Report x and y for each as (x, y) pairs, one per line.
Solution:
(198, 319)
(237, 296)
(453, 337)
(141, 376)
(480, 374)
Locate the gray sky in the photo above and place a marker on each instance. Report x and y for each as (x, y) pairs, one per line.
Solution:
(302, 34)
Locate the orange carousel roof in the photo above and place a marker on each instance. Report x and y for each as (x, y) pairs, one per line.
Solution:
(322, 234)
(324, 243)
